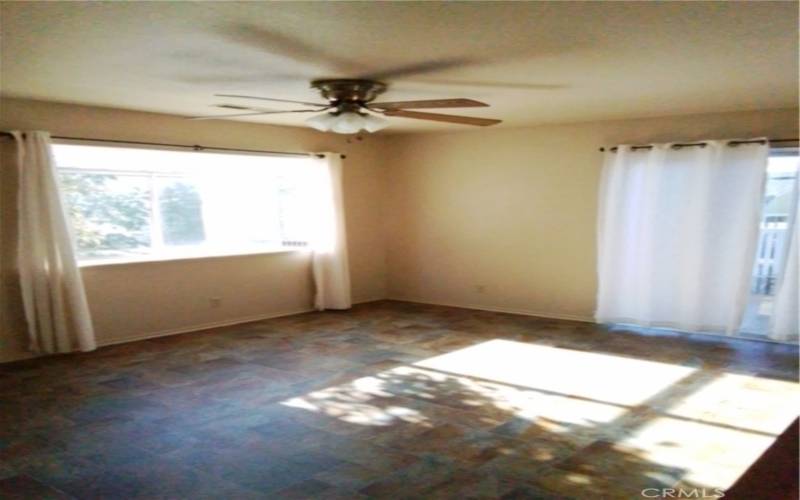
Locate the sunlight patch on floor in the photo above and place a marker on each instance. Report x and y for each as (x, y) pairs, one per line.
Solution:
(627, 420)
(712, 456)
(562, 414)
(602, 377)
(742, 401)
(361, 402)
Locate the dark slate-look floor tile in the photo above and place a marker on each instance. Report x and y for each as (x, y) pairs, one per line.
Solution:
(332, 406)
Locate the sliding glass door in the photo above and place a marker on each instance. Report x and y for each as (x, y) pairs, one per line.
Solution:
(778, 209)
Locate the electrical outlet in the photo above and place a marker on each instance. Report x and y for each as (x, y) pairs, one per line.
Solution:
(215, 302)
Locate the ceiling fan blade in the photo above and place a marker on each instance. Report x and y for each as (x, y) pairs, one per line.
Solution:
(239, 77)
(215, 117)
(420, 68)
(272, 99)
(243, 108)
(487, 84)
(436, 117)
(432, 103)
(290, 47)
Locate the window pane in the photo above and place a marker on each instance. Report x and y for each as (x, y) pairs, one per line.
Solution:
(181, 212)
(132, 202)
(110, 213)
(779, 199)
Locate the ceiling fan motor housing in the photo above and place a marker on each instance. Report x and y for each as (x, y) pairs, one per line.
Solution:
(349, 94)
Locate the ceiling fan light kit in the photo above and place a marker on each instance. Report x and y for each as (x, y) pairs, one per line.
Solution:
(322, 122)
(347, 122)
(374, 123)
(350, 108)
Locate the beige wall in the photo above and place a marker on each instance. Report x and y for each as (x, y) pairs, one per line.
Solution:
(496, 219)
(513, 210)
(132, 300)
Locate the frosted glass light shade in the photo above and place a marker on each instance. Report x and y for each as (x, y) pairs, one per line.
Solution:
(374, 123)
(322, 122)
(349, 122)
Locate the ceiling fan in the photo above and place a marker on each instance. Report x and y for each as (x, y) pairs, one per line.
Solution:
(351, 108)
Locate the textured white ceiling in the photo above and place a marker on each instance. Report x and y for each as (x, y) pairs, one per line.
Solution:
(533, 62)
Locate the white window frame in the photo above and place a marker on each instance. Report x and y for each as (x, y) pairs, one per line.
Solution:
(155, 258)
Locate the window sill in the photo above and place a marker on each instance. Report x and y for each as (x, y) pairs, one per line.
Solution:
(152, 259)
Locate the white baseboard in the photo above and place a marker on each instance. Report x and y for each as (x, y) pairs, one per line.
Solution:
(200, 327)
(260, 317)
(7, 357)
(19, 356)
(368, 300)
(215, 324)
(522, 312)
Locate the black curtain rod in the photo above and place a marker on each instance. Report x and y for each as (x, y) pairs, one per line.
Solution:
(703, 144)
(195, 147)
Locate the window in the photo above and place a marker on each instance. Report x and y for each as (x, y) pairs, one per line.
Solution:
(143, 204)
(780, 196)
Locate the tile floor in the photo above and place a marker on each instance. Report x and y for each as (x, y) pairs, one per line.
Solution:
(394, 400)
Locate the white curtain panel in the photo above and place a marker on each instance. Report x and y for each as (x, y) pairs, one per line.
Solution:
(785, 325)
(54, 300)
(678, 229)
(329, 244)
